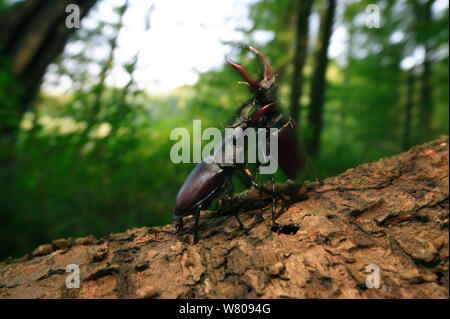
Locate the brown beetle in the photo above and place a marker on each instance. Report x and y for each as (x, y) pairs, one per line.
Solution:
(211, 178)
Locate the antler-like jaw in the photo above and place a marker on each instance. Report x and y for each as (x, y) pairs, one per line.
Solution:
(267, 66)
(264, 88)
(244, 73)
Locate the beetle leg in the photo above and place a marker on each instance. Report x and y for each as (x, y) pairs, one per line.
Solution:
(179, 225)
(260, 215)
(197, 218)
(229, 197)
(313, 169)
(274, 202)
(263, 110)
(241, 226)
(250, 181)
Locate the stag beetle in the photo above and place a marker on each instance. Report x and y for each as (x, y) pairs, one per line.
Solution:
(211, 178)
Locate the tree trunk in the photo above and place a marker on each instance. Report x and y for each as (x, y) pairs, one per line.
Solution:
(318, 84)
(301, 48)
(423, 15)
(32, 34)
(426, 102)
(391, 214)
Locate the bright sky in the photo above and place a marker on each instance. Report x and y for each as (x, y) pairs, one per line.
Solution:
(185, 38)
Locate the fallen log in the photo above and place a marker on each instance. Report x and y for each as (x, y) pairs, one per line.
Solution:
(383, 224)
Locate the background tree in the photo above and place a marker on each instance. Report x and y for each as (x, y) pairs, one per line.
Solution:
(409, 104)
(424, 27)
(318, 82)
(301, 49)
(32, 34)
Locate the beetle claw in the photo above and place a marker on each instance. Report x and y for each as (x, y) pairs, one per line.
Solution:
(179, 225)
(260, 215)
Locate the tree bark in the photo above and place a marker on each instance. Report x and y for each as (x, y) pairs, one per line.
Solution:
(392, 213)
(318, 83)
(301, 48)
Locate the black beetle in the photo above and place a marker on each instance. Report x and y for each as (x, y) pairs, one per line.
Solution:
(212, 177)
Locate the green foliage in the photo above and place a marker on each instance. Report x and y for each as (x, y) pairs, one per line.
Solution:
(96, 159)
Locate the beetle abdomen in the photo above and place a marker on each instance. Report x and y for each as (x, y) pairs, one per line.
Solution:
(290, 157)
(204, 183)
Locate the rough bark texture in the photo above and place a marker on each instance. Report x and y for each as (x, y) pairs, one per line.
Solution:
(392, 213)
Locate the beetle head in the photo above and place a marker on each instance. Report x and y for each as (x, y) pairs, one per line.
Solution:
(263, 90)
